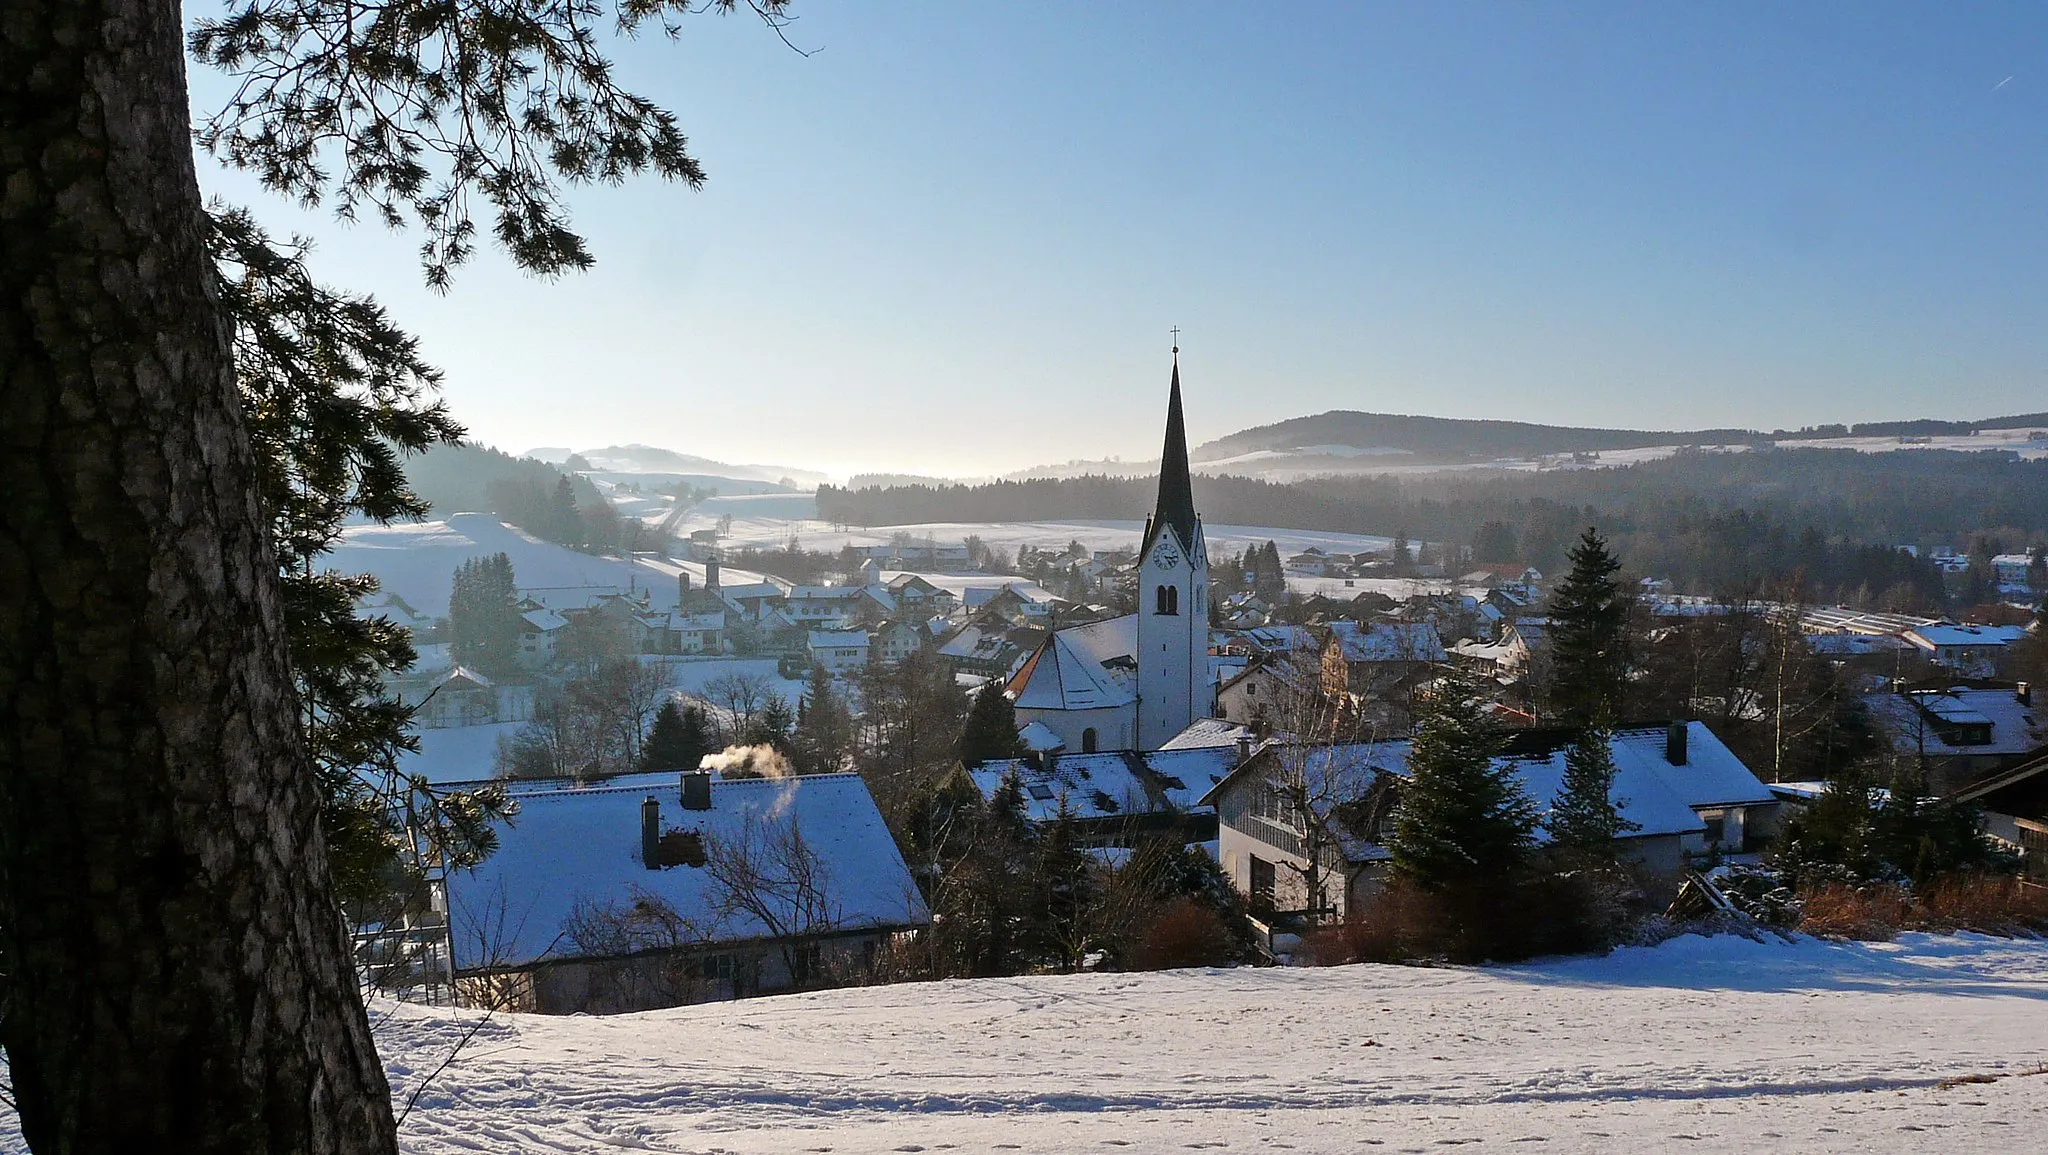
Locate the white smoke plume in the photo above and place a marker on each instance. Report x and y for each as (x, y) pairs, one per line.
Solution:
(748, 762)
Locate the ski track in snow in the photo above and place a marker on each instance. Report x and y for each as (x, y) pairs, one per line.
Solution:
(1708, 1044)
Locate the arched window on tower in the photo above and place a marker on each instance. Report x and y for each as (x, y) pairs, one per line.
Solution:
(1088, 740)
(1167, 600)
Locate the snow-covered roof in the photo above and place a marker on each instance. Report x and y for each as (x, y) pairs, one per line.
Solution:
(1921, 717)
(1205, 732)
(571, 844)
(1113, 783)
(1942, 637)
(839, 639)
(1658, 797)
(1104, 641)
(1059, 676)
(1711, 776)
(1388, 642)
(545, 620)
(1039, 737)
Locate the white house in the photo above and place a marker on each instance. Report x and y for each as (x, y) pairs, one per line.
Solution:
(840, 651)
(1296, 810)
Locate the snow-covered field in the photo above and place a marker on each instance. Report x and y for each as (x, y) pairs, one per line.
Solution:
(1700, 1045)
(417, 560)
(750, 527)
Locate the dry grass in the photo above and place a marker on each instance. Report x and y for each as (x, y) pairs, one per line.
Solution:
(1985, 904)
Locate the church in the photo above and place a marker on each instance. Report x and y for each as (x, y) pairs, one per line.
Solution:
(1132, 683)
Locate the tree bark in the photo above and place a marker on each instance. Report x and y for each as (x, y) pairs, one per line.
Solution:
(176, 976)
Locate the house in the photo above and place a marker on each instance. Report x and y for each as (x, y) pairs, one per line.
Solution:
(988, 646)
(460, 697)
(1961, 734)
(2015, 806)
(1119, 798)
(657, 889)
(679, 632)
(896, 640)
(839, 651)
(920, 598)
(1362, 659)
(540, 632)
(822, 605)
(1277, 695)
(2014, 569)
(1971, 651)
(1302, 827)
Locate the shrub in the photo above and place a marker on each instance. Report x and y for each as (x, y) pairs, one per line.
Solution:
(1987, 904)
(1184, 933)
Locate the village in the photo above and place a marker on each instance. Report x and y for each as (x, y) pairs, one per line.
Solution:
(715, 781)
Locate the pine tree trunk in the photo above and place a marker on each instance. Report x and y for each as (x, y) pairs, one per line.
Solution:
(176, 975)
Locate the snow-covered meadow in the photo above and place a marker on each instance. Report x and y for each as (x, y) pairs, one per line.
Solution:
(1722, 1044)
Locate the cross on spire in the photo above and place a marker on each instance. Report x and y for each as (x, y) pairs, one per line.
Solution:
(1176, 340)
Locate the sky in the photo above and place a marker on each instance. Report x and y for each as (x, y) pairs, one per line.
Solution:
(953, 238)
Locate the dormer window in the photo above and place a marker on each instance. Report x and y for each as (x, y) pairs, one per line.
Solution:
(1167, 600)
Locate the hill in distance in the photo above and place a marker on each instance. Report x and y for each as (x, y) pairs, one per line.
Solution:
(654, 459)
(1347, 434)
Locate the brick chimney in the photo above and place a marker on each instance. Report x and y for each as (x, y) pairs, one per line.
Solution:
(2025, 693)
(697, 790)
(650, 833)
(682, 585)
(1674, 743)
(711, 575)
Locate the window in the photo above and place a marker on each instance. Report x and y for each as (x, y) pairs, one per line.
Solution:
(1167, 600)
(1088, 740)
(1262, 884)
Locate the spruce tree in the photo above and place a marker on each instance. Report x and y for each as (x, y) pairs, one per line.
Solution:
(482, 617)
(824, 726)
(677, 740)
(991, 729)
(1066, 888)
(1584, 821)
(1589, 636)
(1463, 818)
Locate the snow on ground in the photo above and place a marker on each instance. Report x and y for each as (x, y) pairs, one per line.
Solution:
(1699, 1044)
(774, 531)
(417, 561)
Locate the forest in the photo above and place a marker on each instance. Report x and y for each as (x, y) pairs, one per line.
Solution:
(1711, 522)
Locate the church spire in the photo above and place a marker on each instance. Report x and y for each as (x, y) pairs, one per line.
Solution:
(1176, 505)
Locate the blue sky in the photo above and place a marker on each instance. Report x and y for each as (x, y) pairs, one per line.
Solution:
(954, 237)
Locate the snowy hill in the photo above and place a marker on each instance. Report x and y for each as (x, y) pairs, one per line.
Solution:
(417, 560)
(1723, 1044)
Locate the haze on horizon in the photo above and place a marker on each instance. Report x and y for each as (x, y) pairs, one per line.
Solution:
(953, 238)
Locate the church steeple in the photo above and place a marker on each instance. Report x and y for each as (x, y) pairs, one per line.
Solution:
(1176, 505)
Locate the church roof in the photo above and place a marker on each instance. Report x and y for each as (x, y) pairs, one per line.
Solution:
(1176, 505)
(1060, 676)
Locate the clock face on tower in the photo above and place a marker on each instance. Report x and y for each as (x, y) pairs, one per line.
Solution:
(1167, 557)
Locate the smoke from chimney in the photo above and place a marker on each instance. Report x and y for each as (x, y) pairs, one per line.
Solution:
(762, 761)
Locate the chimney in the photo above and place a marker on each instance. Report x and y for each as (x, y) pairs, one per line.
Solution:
(711, 575)
(697, 790)
(1244, 748)
(2025, 693)
(682, 585)
(1674, 744)
(650, 833)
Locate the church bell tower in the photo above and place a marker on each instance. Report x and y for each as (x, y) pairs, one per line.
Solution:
(1173, 596)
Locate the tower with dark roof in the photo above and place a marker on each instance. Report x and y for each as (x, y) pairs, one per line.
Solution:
(1173, 595)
